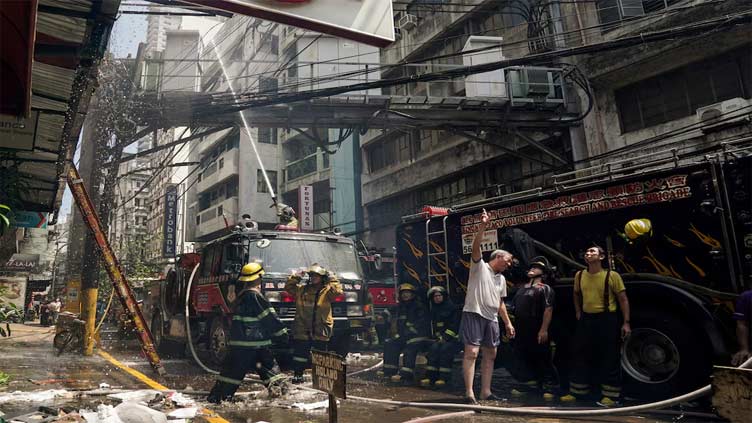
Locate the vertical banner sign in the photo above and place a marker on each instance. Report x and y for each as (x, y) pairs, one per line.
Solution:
(169, 243)
(305, 197)
(329, 373)
(113, 268)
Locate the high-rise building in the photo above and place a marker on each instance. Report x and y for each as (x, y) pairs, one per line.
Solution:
(157, 27)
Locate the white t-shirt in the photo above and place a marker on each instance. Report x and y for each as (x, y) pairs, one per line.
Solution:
(485, 289)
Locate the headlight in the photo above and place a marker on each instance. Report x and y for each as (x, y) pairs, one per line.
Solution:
(354, 310)
(351, 297)
(273, 296)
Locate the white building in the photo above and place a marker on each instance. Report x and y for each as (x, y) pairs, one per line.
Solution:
(157, 27)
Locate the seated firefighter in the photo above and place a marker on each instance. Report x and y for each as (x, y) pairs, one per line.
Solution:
(412, 331)
(314, 322)
(445, 320)
(254, 325)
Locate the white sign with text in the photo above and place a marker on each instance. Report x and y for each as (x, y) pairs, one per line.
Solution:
(305, 197)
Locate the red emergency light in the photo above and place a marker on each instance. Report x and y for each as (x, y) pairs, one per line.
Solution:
(286, 297)
(432, 211)
(339, 298)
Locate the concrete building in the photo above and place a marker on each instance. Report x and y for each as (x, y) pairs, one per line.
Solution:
(157, 27)
(326, 160)
(640, 100)
(128, 229)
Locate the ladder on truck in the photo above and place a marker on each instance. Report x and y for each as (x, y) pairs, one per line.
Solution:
(436, 248)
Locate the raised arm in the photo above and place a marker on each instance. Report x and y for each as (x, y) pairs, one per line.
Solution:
(476, 255)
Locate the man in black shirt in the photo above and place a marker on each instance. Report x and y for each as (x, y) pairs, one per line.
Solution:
(533, 309)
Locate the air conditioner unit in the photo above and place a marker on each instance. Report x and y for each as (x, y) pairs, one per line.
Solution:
(728, 110)
(531, 83)
(407, 22)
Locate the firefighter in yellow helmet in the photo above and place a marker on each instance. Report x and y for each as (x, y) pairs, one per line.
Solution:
(411, 329)
(254, 326)
(313, 314)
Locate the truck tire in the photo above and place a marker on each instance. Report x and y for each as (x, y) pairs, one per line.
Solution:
(164, 346)
(219, 336)
(663, 357)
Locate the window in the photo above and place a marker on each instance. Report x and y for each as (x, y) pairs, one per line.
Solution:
(137, 202)
(681, 92)
(614, 11)
(220, 211)
(267, 135)
(261, 183)
(268, 85)
(221, 162)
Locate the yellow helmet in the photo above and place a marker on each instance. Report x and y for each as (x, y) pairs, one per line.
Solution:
(250, 272)
(406, 287)
(637, 228)
(315, 268)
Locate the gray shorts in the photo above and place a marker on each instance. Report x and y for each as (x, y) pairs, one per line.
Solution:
(476, 330)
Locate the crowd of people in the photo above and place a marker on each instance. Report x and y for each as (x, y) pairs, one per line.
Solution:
(45, 309)
(441, 329)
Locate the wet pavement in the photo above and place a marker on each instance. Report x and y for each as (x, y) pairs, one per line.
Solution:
(29, 359)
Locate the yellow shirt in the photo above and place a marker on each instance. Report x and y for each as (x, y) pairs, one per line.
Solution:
(591, 285)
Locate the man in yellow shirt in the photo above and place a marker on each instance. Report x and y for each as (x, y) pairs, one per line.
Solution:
(596, 355)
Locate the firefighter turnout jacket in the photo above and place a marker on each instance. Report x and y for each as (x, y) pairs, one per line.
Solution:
(412, 322)
(255, 323)
(313, 307)
(445, 318)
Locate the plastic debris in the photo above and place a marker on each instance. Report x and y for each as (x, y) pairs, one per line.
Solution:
(131, 412)
(104, 385)
(35, 396)
(311, 405)
(141, 395)
(104, 414)
(183, 413)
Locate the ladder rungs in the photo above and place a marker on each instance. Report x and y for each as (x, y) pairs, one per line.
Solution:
(437, 232)
(436, 254)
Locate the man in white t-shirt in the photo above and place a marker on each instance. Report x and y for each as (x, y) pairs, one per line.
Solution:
(479, 328)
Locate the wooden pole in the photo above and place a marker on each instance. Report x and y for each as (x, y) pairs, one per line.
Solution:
(332, 409)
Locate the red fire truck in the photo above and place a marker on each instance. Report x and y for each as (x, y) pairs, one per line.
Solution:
(379, 269)
(211, 274)
(681, 278)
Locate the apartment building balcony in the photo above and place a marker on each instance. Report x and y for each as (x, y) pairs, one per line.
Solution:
(211, 220)
(306, 171)
(220, 170)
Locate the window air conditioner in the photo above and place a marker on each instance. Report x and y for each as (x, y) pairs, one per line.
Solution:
(531, 82)
(732, 109)
(407, 22)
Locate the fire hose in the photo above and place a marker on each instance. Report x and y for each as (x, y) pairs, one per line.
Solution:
(520, 411)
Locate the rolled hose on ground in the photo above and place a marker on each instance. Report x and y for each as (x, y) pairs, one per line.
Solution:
(193, 351)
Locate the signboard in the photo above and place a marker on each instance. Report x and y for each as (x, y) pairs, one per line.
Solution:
(365, 21)
(656, 190)
(24, 219)
(21, 262)
(169, 231)
(329, 372)
(18, 133)
(72, 301)
(13, 290)
(489, 242)
(305, 199)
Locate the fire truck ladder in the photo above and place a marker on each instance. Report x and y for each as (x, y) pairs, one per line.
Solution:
(114, 270)
(440, 251)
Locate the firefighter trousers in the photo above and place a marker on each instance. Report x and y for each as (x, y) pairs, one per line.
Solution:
(440, 360)
(301, 356)
(533, 361)
(238, 363)
(596, 355)
(410, 349)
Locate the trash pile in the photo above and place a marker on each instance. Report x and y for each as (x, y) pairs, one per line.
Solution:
(141, 406)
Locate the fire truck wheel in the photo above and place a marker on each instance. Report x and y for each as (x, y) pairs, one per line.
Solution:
(164, 346)
(219, 335)
(663, 357)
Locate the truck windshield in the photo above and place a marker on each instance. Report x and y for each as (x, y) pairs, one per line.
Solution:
(287, 255)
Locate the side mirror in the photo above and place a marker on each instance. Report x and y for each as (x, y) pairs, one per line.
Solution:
(377, 263)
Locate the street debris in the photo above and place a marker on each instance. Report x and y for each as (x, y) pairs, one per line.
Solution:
(35, 397)
(311, 405)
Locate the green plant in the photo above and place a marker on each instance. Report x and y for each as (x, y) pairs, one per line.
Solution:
(4, 378)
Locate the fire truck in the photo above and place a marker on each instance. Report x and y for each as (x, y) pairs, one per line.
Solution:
(380, 272)
(211, 274)
(682, 278)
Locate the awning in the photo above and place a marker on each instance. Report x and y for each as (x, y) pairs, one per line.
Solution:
(69, 39)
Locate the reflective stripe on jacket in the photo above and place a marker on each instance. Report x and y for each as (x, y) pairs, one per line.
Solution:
(313, 308)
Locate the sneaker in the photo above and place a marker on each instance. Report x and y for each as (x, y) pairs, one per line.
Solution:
(492, 397)
(396, 378)
(425, 382)
(440, 383)
(608, 402)
(297, 380)
(547, 396)
(568, 398)
(517, 393)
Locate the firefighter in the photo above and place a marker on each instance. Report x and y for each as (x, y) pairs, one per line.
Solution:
(596, 343)
(445, 319)
(533, 309)
(313, 314)
(254, 325)
(412, 330)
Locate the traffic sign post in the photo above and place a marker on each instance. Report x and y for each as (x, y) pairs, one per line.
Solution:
(329, 375)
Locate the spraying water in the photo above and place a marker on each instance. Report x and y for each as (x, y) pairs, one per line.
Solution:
(245, 121)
